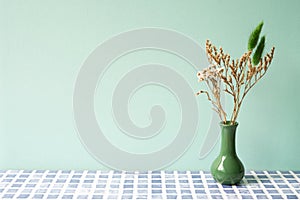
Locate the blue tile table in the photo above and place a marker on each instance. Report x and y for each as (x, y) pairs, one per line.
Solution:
(71, 184)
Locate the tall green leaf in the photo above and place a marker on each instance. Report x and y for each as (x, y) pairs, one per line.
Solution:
(259, 50)
(253, 39)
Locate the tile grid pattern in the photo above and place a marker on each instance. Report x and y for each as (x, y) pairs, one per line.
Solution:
(70, 184)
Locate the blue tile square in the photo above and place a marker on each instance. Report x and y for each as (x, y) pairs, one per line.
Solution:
(229, 191)
(72, 185)
(8, 196)
(38, 196)
(100, 186)
(86, 185)
(67, 196)
(183, 181)
(156, 176)
(142, 191)
(276, 197)
(52, 171)
(74, 181)
(12, 190)
(258, 191)
(127, 197)
(185, 192)
(287, 191)
(199, 186)
(41, 191)
(156, 196)
(197, 181)
(40, 171)
(285, 172)
(55, 190)
(82, 197)
(70, 191)
(128, 186)
(143, 176)
(187, 197)
(273, 191)
(127, 191)
(259, 172)
(170, 186)
(276, 176)
(261, 197)
(215, 191)
(142, 186)
(10, 175)
(113, 197)
(52, 196)
(23, 196)
(291, 197)
(200, 192)
(128, 181)
(172, 196)
(97, 197)
(244, 191)
(90, 176)
(262, 176)
(212, 186)
(171, 191)
(26, 190)
(216, 197)
(114, 186)
(249, 177)
(269, 186)
(156, 191)
(272, 172)
(279, 181)
(47, 180)
(292, 181)
(247, 197)
(282, 186)
(170, 181)
(61, 180)
(7, 180)
(201, 196)
(16, 185)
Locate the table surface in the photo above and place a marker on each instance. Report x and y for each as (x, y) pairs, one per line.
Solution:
(86, 184)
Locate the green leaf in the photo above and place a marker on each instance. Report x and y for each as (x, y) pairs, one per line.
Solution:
(259, 50)
(253, 39)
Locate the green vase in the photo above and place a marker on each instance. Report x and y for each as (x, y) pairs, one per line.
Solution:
(227, 168)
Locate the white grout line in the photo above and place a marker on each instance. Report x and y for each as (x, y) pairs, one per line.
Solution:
(203, 178)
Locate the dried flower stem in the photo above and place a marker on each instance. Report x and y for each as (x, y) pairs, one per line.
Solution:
(239, 76)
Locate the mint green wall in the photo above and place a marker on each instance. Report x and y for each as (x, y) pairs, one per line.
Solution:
(44, 43)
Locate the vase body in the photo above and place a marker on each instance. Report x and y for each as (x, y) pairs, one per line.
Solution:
(227, 168)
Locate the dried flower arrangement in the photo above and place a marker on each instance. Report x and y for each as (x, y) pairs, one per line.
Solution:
(238, 76)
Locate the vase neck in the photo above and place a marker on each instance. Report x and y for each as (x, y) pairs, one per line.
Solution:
(228, 140)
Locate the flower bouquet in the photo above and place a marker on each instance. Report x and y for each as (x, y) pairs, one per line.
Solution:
(235, 77)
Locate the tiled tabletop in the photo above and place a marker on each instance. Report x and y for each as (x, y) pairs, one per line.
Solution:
(47, 184)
